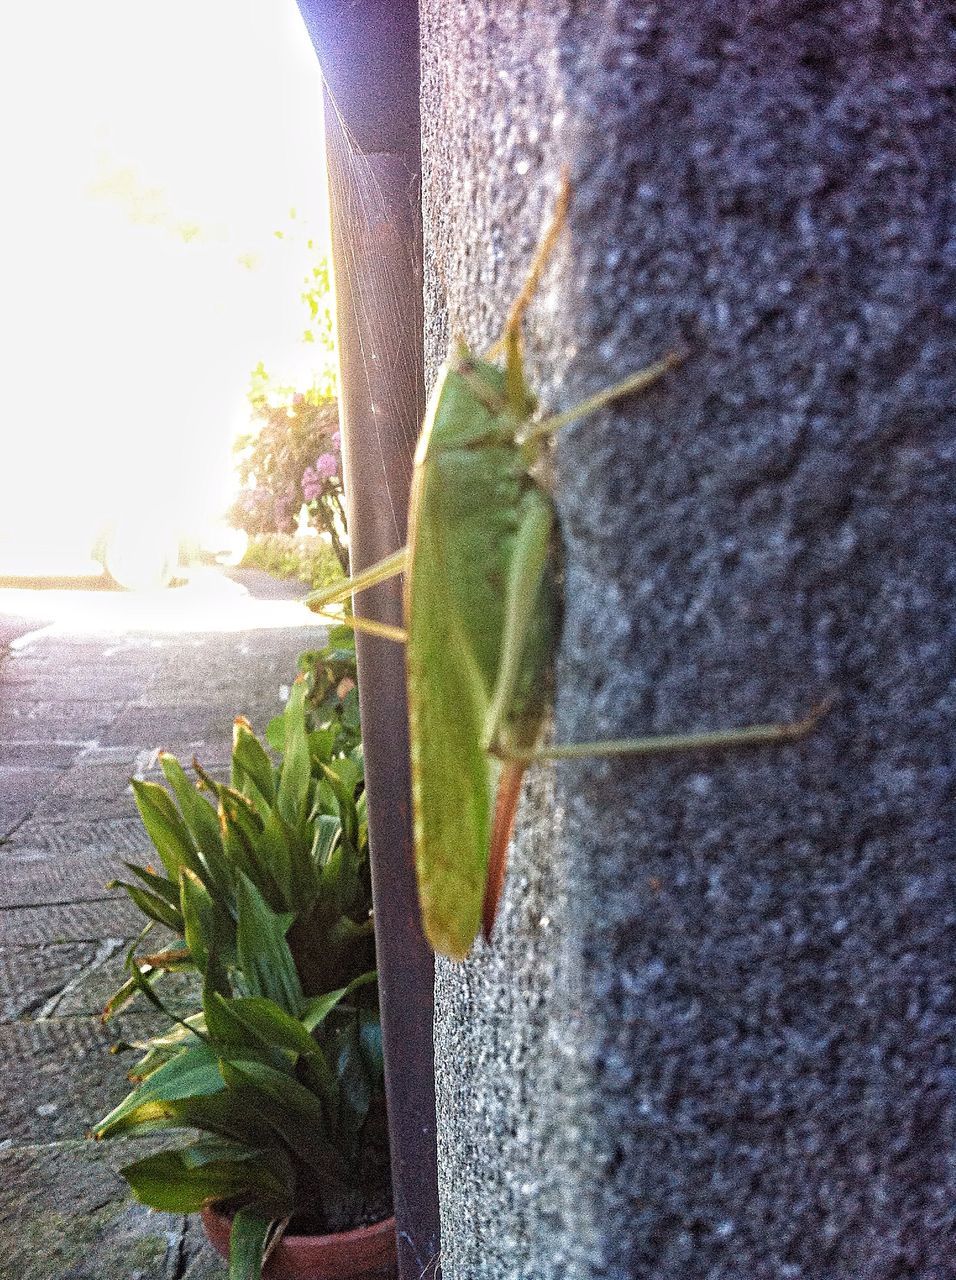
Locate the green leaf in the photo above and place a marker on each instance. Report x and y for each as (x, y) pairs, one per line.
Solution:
(241, 812)
(316, 1009)
(119, 999)
(294, 1111)
(370, 1043)
(164, 826)
(353, 1078)
(321, 744)
(151, 905)
(143, 985)
(233, 1036)
(199, 815)
(159, 1049)
(263, 953)
(275, 849)
(328, 831)
(208, 930)
(340, 877)
(350, 713)
(250, 759)
(150, 968)
(248, 1241)
(345, 775)
(166, 888)
(193, 1073)
(270, 1024)
(340, 644)
(234, 1113)
(177, 1182)
(164, 1181)
(245, 846)
(275, 733)
(296, 770)
(272, 1027)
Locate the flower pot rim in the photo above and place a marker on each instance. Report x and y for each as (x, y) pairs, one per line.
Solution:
(293, 1247)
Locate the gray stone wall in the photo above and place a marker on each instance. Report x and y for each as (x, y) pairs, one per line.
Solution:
(713, 1036)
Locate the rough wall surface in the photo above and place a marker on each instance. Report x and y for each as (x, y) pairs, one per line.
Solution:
(713, 1037)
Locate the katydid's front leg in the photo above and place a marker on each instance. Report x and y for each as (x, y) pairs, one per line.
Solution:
(392, 565)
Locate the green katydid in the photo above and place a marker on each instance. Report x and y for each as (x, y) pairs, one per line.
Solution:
(482, 616)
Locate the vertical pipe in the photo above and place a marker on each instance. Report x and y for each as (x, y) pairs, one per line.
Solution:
(369, 57)
(372, 266)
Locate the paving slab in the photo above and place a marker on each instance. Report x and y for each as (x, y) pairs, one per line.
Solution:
(38, 878)
(58, 1076)
(39, 754)
(119, 836)
(20, 792)
(12, 627)
(197, 722)
(86, 996)
(70, 922)
(64, 719)
(32, 977)
(91, 783)
(66, 1212)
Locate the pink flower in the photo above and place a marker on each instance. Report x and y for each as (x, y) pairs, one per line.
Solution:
(337, 440)
(326, 465)
(311, 484)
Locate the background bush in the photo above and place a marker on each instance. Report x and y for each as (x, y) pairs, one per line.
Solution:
(286, 555)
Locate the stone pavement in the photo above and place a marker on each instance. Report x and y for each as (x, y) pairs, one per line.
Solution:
(92, 684)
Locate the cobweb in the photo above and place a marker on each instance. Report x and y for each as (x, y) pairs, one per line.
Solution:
(375, 261)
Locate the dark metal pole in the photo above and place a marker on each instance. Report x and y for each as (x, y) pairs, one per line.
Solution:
(369, 56)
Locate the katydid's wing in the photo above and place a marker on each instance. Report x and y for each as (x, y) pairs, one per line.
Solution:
(452, 776)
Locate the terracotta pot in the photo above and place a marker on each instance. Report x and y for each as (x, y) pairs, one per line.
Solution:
(367, 1253)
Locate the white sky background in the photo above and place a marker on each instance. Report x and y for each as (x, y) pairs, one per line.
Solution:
(149, 151)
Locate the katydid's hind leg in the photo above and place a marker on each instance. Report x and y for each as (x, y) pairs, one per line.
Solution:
(516, 761)
(529, 563)
(672, 744)
(549, 237)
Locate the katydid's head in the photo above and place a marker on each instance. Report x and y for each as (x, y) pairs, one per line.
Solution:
(471, 404)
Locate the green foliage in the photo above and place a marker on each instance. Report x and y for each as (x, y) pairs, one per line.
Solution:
(331, 699)
(282, 1093)
(265, 885)
(296, 833)
(292, 456)
(309, 559)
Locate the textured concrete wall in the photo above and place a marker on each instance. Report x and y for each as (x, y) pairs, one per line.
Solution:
(713, 1037)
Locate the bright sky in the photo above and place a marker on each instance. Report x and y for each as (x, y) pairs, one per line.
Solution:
(150, 152)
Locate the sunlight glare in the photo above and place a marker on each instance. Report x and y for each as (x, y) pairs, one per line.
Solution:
(151, 155)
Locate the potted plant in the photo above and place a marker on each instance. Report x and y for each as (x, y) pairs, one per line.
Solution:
(279, 1071)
